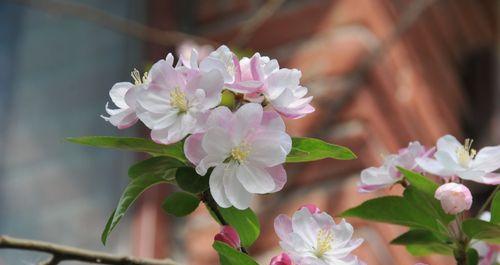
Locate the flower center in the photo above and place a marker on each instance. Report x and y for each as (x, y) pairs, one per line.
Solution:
(178, 99)
(240, 152)
(465, 153)
(137, 77)
(323, 242)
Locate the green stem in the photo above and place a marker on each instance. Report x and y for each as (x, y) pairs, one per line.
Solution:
(210, 203)
(487, 202)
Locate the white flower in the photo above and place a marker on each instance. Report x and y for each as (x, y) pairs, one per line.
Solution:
(375, 178)
(247, 149)
(124, 96)
(455, 159)
(315, 239)
(174, 104)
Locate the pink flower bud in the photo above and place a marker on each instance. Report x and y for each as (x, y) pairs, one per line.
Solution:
(311, 207)
(455, 198)
(229, 236)
(281, 259)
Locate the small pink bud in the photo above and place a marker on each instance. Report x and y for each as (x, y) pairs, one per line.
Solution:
(281, 259)
(229, 236)
(311, 207)
(455, 198)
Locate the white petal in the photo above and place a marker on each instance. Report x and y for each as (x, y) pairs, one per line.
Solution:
(255, 180)
(447, 161)
(235, 192)
(283, 226)
(117, 93)
(220, 117)
(193, 150)
(304, 225)
(208, 162)
(487, 159)
(216, 142)
(448, 144)
(434, 167)
(342, 233)
(247, 118)
(216, 184)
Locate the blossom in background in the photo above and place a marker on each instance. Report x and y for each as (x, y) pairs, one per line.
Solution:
(246, 148)
(229, 236)
(454, 197)
(281, 259)
(454, 159)
(191, 53)
(174, 104)
(489, 253)
(375, 178)
(124, 96)
(312, 237)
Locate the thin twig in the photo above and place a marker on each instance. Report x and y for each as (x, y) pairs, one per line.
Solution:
(113, 22)
(64, 253)
(353, 80)
(254, 22)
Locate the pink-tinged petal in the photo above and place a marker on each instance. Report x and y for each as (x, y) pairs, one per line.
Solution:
(266, 151)
(239, 197)
(324, 220)
(280, 80)
(343, 234)
(193, 150)
(473, 175)
(117, 93)
(281, 259)
(273, 121)
(283, 226)
(491, 179)
(163, 75)
(217, 186)
(123, 119)
(220, 117)
(247, 118)
(133, 94)
(208, 162)
(215, 142)
(278, 173)
(311, 207)
(448, 144)
(487, 159)
(305, 226)
(156, 101)
(255, 180)
(229, 236)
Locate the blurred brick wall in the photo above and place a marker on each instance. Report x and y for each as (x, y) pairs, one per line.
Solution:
(413, 92)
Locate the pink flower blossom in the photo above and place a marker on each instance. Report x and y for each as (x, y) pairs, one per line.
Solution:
(175, 104)
(315, 238)
(246, 148)
(375, 178)
(455, 198)
(281, 259)
(229, 236)
(454, 159)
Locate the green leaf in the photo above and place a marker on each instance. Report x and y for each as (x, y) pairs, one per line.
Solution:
(429, 207)
(245, 222)
(231, 256)
(419, 237)
(424, 250)
(132, 144)
(311, 149)
(479, 229)
(394, 210)
(495, 209)
(180, 204)
(419, 181)
(134, 189)
(157, 167)
(190, 181)
(472, 257)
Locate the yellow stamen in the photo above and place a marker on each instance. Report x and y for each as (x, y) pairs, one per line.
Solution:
(465, 153)
(240, 152)
(178, 99)
(323, 242)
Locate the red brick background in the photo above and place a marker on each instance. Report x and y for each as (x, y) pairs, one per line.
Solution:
(414, 91)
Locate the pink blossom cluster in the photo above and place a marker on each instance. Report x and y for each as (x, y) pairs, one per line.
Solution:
(246, 143)
(450, 160)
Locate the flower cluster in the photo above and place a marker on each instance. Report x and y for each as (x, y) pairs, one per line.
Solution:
(450, 160)
(245, 143)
